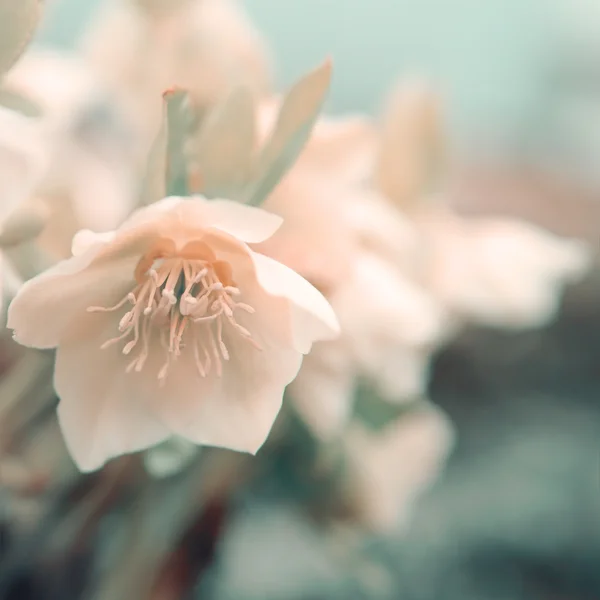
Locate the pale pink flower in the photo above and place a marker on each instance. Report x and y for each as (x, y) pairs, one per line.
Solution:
(389, 329)
(91, 179)
(389, 469)
(385, 317)
(500, 272)
(171, 325)
(202, 46)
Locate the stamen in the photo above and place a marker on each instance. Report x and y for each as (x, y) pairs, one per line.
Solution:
(180, 300)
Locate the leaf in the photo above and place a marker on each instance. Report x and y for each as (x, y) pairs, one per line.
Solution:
(166, 166)
(411, 159)
(222, 153)
(297, 116)
(18, 22)
(19, 103)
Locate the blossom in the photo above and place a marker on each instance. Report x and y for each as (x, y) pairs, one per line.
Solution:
(202, 46)
(500, 272)
(390, 324)
(94, 154)
(389, 329)
(171, 326)
(23, 162)
(389, 469)
(493, 271)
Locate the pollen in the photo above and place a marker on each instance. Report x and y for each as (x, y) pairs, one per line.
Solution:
(186, 301)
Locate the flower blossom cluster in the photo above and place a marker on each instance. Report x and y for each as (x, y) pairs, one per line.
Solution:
(253, 252)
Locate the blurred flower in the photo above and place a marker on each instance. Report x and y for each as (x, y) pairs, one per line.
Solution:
(389, 469)
(390, 324)
(216, 330)
(23, 162)
(95, 156)
(204, 46)
(498, 272)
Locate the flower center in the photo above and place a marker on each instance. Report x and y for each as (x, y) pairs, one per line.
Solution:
(182, 299)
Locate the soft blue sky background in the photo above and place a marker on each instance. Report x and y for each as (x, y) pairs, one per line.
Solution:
(492, 59)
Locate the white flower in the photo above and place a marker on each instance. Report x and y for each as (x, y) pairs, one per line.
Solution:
(171, 326)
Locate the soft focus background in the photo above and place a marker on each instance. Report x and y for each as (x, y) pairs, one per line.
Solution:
(516, 514)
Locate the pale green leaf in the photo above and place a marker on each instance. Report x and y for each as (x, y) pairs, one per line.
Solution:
(165, 171)
(19, 103)
(222, 153)
(297, 116)
(18, 22)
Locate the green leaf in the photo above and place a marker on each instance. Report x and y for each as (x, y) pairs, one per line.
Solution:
(18, 22)
(297, 116)
(166, 170)
(21, 104)
(374, 412)
(222, 153)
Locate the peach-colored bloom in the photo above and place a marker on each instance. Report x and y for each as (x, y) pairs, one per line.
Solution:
(202, 46)
(499, 272)
(389, 328)
(171, 326)
(95, 155)
(385, 317)
(388, 470)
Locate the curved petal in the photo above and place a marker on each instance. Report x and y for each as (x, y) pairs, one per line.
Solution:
(49, 305)
(312, 316)
(185, 216)
(246, 223)
(86, 239)
(103, 411)
(236, 410)
(323, 391)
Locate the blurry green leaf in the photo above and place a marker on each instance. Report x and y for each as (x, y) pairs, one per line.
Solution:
(297, 116)
(166, 170)
(18, 21)
(374, 412)
(15, 101)
(24, 224)
(223, 150)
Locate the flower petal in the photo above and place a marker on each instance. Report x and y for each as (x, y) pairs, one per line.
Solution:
(323, 391)
(246, 223)
(236, 410)
(312, 316)
(103, 411)
(47, 306)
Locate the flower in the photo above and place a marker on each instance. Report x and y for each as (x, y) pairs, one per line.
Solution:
(23, 162)
(388, 470)
(500, 272)
(202, 46)
(389, 329)
(390, 324)
(94, 154)
(171, 325)
(492, 271)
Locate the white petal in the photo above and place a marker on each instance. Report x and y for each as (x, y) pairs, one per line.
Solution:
(312, 318)
(49, 305)
(246, 223)
(391, 468)
(103, 411)
(236, 410)
(323, 391)
(85, 240)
